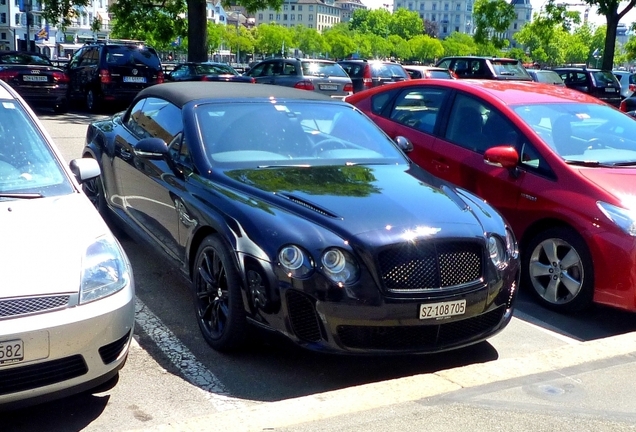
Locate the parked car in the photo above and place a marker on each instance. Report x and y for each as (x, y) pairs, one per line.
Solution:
(321, 76)
(628, 82)
(419, 72)
(207, 71)
(293, 211)
(546, 76)
(112, 72)
(601, 84)
(34, 77)
(367, 74)
(495, 68)
(555, 162)
(65, 328)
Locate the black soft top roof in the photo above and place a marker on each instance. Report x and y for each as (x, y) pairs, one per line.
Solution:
(181, 93)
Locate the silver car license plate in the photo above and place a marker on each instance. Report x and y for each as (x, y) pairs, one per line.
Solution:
(11, 351)
(328, 87)
(132, 79)
(443, 309)
(35, 78)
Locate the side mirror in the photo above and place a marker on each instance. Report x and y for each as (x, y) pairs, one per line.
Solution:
(404, 143)
(502, 156)
(151, 148)
(84, 169)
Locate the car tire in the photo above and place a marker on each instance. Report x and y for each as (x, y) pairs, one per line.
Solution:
(557, 267)
(218, 296)
(93, 103)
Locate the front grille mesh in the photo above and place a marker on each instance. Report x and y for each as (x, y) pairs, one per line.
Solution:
(110, 352)
(430, 265)
(28, 305)
(42, 374)
(303, 316)
(425, 337)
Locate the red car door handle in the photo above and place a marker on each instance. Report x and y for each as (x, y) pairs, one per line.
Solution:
(440, 166)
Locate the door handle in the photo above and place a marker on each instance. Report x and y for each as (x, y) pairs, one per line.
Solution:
(125, 154)
(440, 166)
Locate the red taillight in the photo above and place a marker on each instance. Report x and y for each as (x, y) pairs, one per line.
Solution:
(623, 106)
(305, 85)
(60, 77)
(348, 88)
(367, 79)
(160, 77)
(7, 75)
(104, 76)
(204, 78)
(253, 80)
(632, 88)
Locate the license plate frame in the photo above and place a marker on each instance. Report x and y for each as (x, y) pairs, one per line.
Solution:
(135, 80)
(610, 90)
(11, 351)
(35, 78)
(329, 87)
(442, 310)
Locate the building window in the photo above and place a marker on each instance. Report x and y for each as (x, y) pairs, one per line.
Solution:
(277, 17)
(445, 6)
(311, 8)
(410, 6)
(311, 16)
(457, 29)
(434, 17)
(3, 18)
(293, 7)
(300, 8)
(3, 2)
(284, 17)
(434, 6)
(300, 17)
(3, 36)
(469, 6)
(515, 26)
(285, 7)
(260, 17)
(271, 17)
(292, 17)
(458, 6)
(17, 19)
(444, 29)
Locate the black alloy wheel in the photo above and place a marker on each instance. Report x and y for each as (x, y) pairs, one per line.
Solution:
(557, 265)
(93, 102)
(217, 296)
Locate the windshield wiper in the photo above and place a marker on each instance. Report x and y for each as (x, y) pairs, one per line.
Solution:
(587, 163)
(18, 195)
(627, 163)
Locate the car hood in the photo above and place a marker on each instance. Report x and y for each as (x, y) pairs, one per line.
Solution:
(616, 181)
(43, 243)
(358, 199)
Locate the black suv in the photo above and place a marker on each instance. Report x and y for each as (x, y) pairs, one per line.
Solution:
(601, 84)
(372, 73)
(494, 68)
(112, 71)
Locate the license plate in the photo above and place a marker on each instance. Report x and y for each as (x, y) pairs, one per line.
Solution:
(610, 90)
(443, 309)
(32, 78)
(328, 87)
(134, 79)
(11, 351)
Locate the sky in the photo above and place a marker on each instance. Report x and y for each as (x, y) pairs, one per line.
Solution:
(536, 5)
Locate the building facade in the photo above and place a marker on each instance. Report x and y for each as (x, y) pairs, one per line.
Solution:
(314, 14)
(348, 7)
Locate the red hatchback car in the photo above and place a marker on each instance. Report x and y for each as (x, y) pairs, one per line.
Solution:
(559, 164)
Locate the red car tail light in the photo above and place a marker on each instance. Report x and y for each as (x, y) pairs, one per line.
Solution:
(367, 79)
(203, 78)
(305, 85)
(348, 88)
(253, 80)
(7, 75)
(632, 88)
(623, 106)
(104, 76)
(60, 77)
(160, 77)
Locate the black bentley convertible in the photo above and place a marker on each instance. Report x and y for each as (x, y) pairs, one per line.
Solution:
(292, 211)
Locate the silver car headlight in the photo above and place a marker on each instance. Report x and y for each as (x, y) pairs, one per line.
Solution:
(497, 252)
(295, 261)
(339, 266)
(625, 219)
(511, 244)
(104, 270)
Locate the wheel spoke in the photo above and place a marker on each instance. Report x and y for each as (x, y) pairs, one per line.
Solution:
(205, 271)
(571, 259)
(539, 269)
(550, 249)
(551, 291)
(572, 285)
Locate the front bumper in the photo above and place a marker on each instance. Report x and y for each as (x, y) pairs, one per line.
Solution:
(67, 351)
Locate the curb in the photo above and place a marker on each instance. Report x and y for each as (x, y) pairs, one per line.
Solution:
(286, 413)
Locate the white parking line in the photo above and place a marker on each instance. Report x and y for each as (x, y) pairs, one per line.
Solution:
(183, 359)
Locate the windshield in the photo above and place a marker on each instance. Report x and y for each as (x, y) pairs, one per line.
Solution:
(294, 133)
(132, 55)
(24, 59)
(584, 133)
(27, 164)
(387, 70)
(509, 67)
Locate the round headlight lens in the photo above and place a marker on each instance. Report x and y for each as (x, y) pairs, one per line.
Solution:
(497, 252)
(339, 266)
(295, 261)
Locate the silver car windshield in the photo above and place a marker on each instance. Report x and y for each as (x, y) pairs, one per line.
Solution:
(27, 164)
(293, 133)
(590, 134)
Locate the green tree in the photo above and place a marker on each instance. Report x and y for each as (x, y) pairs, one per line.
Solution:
(493, 18)
(375, 21)
(238, 39)
(400, 48)
(609, 9)
(309, 41)
(426, 48)
(340, 41)
(406, 24)
(272, 39)
(459, 44)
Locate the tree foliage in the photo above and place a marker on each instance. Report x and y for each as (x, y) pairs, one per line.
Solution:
(492, 19)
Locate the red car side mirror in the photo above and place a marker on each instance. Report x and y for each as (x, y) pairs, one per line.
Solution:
(502, 156)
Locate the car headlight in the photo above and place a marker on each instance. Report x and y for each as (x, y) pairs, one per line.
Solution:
(511, 244)
(295, 261)
(339, 266)
(104, 270)
(625, 219)
(497, 252)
